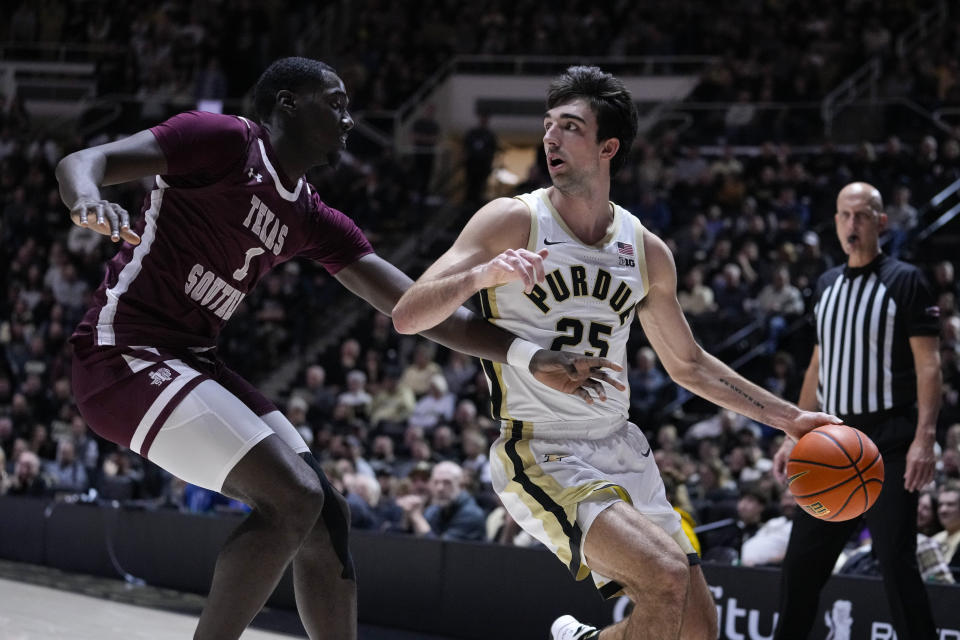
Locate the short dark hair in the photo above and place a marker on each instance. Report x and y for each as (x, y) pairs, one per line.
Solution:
(611, 103)
(286, 73)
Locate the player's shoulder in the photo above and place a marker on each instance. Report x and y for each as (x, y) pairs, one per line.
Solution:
(206, 119)
(653, 245)
(504, 213)
(502, 223)
(507, 208)
(316, 205)
(658, 258)
(207, 129)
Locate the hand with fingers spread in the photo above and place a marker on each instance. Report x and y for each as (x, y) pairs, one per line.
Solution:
(105, 218)
(513, 264)
(575, 373)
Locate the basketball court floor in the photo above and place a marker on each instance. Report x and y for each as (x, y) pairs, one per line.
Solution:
(39, 603)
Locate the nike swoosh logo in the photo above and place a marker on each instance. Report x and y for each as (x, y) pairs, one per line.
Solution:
(545, 241)
(645, 453)
(795, 476)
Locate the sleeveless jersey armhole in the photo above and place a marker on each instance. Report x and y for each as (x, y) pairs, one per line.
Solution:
(641, 254)
(534, 225)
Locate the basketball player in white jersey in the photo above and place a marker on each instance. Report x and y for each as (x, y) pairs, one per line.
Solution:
(566, 269)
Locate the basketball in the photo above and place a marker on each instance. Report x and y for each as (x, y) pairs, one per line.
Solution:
(835, 472)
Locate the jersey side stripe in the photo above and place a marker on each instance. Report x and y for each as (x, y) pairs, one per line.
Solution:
(641, 256)
(498, 390)
(130, 271)
(571, 530)
(533, 241)
(149, 420)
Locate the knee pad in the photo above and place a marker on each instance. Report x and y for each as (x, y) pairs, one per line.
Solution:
(336, 518)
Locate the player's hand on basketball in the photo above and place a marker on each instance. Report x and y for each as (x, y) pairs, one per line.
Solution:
(921, 463)
(105, 218)
(780, 459)
(575, 373)
(808, 421)
(513, 264)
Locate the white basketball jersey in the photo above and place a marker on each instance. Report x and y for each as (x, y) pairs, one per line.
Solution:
(585, 305)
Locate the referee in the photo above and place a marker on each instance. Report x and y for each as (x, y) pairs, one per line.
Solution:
(876, 365)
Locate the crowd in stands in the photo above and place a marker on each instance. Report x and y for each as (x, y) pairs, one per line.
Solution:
(401, 424)
(770, 51)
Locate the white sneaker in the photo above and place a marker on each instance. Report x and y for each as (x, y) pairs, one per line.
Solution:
(569, 628)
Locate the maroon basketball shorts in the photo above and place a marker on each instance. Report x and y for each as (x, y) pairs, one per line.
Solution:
(186, 412)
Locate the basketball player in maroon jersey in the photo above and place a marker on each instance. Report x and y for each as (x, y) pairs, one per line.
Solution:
(230, 203)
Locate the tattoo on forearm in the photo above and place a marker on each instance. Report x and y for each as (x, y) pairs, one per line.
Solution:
(743, 393)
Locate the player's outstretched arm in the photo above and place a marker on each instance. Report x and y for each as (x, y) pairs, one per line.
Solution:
(486, 254)
(382, 284)
(82, 173)
(689, 365)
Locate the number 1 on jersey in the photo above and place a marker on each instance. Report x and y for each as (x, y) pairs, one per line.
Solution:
(252, 253)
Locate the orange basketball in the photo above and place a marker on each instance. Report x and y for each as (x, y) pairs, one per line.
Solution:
(835, 472)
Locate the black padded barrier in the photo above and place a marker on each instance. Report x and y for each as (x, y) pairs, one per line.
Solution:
(466, 590)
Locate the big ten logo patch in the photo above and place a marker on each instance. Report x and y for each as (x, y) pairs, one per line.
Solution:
(817, 509)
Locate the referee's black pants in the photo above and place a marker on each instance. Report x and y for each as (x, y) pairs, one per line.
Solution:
(815, 545)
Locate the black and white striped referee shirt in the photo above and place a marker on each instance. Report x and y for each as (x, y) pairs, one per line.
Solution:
(865, 318)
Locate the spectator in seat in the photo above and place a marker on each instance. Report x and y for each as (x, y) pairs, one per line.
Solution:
(436, 406)
(647, 385)
(363, 496)
(695, 297)
(479, 148)
(393, 403)
(27, 479)
(67, 473)
(452, 513)
(769, 544)
(475, 446)
(418, 375)
(356, 397)
(445, 445)
(459, 371)
(731, 295)
(321, 397)
(949, 511)
(383, 458)
(297, 408)
(928, 521)
(85, 445)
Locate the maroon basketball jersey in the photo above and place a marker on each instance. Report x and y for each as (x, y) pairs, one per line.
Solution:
(218, 220)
